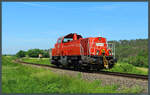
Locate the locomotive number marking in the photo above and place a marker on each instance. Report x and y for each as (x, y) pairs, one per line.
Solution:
(99, 44)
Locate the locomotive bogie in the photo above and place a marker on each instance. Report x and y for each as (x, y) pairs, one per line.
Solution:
(95, 62)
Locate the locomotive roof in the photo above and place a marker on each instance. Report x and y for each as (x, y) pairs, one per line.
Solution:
(71, 34)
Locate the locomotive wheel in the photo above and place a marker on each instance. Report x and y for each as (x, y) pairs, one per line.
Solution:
(77, 66)
(98, 69)
(62, 66)
(57, 65)
(87, 68)
(111, 63)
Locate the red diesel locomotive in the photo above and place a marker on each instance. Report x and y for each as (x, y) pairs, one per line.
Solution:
(82, 53)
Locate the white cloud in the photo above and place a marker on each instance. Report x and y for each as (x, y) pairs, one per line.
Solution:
(35, 4)
(102, 7)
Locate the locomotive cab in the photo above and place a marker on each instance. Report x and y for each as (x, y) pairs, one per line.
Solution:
(71, 37)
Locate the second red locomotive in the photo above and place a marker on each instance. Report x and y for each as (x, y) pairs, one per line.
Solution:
(89, 53)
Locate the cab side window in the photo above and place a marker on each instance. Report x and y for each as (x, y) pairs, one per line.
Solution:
(67, 40)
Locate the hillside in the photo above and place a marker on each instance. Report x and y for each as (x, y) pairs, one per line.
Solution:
(132, 51)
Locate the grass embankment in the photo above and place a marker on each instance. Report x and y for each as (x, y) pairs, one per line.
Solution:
(119, 67)
(128, 68)
(17, 78)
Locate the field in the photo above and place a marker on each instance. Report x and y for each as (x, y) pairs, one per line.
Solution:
(18, 78)
(119, 67)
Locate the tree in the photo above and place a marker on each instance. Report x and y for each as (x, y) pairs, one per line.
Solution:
(46, 53)
(35, 52)
(21, 53)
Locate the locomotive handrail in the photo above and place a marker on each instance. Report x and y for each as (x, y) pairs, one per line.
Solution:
(81, 50)
(113, 48)
(50, 53)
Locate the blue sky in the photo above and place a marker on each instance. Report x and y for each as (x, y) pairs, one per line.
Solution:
(27, 25)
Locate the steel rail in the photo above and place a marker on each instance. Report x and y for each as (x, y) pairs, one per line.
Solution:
(137, 76)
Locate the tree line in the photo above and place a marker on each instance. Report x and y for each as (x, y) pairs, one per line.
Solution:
(33, 53)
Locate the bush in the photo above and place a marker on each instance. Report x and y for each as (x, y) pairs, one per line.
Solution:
(127, 68)
(21, 53)
(34, 52)
(141, 60)
(45, 54)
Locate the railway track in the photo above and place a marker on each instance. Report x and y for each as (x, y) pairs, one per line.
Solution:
(137, 76)
(125, 75)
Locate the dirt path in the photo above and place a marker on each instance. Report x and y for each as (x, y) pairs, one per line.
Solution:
(106, 79)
